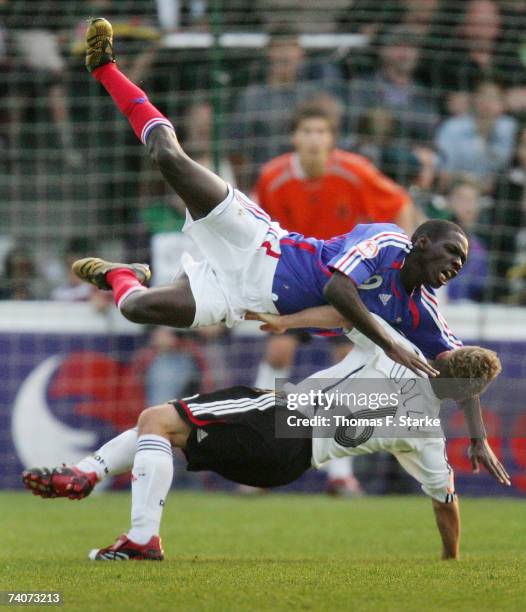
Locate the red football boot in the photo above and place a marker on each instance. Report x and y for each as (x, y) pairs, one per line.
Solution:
(126, 550)
(66, 481)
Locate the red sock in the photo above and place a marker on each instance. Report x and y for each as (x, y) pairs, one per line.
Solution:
(123, 283)
(131, 100)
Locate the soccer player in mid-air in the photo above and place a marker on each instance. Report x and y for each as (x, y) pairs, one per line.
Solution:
(233, 432)
(252, 264)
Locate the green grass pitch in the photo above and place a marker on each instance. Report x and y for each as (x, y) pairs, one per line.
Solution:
(272, 552)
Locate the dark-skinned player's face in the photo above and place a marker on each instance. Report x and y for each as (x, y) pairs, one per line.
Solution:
(441, 259)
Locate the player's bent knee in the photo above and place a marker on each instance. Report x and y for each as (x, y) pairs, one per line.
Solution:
(164, 421)
(130, 310)
(147, 418)
(135, 308)
(155, 419)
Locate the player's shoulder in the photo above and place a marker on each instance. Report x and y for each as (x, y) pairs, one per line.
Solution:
(379, 232)
(347, 157)
(353, 162)
(277, 165)
(275, 173)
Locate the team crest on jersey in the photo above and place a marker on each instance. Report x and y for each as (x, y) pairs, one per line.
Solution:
(384, 298)
(367, 249)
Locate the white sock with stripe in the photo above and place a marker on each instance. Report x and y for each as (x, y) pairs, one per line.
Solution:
(151, 479)
(115, 457)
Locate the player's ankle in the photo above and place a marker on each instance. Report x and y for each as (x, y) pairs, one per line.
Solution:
(119, 273)
(124, 283)
(99, 71)
(140, 536)
(93, 464)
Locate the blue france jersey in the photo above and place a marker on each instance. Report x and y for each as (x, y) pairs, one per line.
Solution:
(371, 255)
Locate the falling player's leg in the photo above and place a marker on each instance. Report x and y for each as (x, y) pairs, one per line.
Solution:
(200, 189)
(159, 429)
(184, 303)
(77, 481)
(225, 225)
(172, 305)
(147, 449)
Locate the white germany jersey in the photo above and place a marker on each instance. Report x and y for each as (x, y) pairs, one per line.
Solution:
(368, 367)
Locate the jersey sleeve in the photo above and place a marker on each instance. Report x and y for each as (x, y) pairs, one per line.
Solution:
(361, 259)
(383, 199)
(432, 335)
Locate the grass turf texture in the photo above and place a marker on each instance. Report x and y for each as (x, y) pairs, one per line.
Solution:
(272, 552)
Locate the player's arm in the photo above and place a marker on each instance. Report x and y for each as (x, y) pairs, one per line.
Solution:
(342, 293)
(323, 317)
(434, 337)
(348, 311)
(479, 450)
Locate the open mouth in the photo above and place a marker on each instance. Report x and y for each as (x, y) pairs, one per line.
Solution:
(446, 275)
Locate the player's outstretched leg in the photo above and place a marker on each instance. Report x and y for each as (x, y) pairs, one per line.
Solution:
(172, 305)
(147, 449)
(94, 270)
(77, 481)
(200, 189)
(64, 481)
(160, 428)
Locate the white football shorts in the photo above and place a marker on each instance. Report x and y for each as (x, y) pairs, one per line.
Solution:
(240, 246)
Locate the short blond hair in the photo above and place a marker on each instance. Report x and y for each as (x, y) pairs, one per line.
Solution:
(474, 362)
(475, 366)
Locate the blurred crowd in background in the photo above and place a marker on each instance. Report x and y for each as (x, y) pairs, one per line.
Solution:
(433, 93)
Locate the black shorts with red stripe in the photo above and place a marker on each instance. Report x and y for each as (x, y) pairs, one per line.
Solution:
(233, 434)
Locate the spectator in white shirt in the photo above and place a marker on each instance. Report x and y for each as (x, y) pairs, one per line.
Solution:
(479, 143)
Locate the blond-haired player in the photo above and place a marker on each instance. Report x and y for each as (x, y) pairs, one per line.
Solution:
(234, 433)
